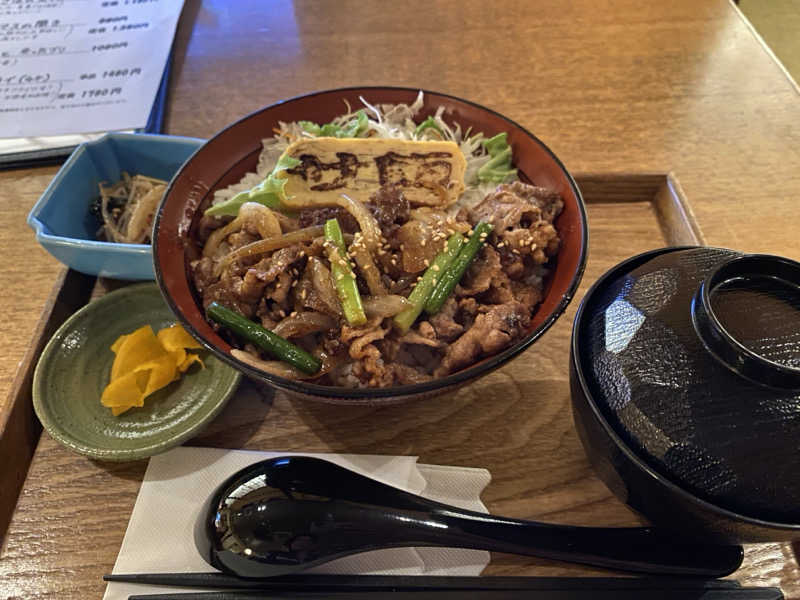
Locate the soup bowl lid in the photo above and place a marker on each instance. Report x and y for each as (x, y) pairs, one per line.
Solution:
(692, 358)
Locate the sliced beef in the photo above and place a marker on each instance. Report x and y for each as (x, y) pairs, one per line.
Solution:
(513, 262)
(332, 344)
(486, 279)
(266, 271)
(523, 217)
(549, 201)
(368, 364)
(222, 293)
(264, 314)
(241, 238)
(414, 337)
(527, 295)
(278, 291)
(207, 225)
(467, 311)
(417, 246)
(389, 207)
(203, 274)
(483, 270)
(318, 216)
(406, 375)
(493, 330)
(540, 241)
(444, 323)
(244, 289)
(425, 329)
(253, 283)
(500, 292)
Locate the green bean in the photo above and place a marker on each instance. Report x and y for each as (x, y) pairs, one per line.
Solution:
(457, 268)
(420, 294)
(344, 280)
(274, 344)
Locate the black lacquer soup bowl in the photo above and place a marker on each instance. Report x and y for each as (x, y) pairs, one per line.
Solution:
(685, 376)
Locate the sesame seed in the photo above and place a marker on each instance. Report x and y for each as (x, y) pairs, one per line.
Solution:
(426, 262)
(339, 277)
(435, 267)
(501, 244)
(423, 242)
(293, 313)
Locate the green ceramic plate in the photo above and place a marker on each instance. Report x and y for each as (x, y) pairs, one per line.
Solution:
(75, 366)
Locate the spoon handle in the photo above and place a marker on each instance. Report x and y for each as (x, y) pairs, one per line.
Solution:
(640, 549)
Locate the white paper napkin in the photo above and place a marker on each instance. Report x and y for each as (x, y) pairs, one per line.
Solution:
(160, 537)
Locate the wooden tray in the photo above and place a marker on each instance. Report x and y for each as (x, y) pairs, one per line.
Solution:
(515, 422)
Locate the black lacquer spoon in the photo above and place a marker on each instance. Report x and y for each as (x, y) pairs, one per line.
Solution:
(287, 514)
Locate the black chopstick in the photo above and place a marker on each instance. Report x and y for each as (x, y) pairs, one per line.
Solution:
(348, 583)
(433, 587)
(441, 594)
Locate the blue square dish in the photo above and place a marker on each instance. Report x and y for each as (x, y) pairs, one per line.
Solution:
(61, 218)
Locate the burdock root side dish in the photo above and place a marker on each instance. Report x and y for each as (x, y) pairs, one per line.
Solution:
(375, 250)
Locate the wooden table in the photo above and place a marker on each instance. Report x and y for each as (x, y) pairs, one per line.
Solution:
(612, 86)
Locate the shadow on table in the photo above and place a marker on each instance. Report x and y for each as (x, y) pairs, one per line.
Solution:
(240, 419)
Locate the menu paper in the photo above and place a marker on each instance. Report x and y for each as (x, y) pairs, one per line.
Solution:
(79, 66)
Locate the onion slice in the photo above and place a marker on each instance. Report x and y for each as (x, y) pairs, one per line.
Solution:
(279, 368)
(366, 265)
(303, 323)
(260, 216)
(370, 230)
(384, 306)
(366, 222)
(322, 281)
(264, 246)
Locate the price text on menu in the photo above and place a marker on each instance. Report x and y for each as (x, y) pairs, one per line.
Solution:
(77, 66)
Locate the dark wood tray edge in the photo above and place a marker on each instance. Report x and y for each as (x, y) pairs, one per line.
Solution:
(19, 427)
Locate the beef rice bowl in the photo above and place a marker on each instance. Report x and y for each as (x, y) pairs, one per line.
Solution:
(378, 250)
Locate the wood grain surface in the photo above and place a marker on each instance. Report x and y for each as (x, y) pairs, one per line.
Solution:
(611, 86)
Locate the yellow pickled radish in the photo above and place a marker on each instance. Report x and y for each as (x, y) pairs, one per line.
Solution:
(176, 337)
(162, 372)
(137, 348)
(146, 362)
(126, 390)
(189, 361)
